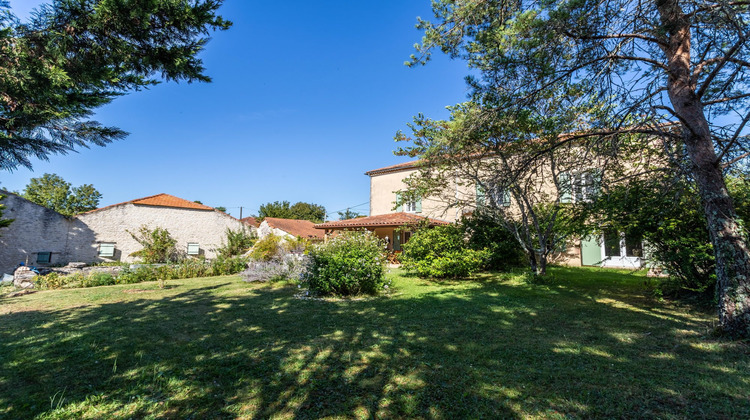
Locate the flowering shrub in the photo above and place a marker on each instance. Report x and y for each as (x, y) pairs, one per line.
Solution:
(441, 252)
(350, 264)
(266, 249)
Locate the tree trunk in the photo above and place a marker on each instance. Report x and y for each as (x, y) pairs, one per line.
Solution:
(730, 248)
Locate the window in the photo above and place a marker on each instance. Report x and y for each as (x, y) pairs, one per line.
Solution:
(612, 243)
(580, 186)
(43, 257)
(410, 205)
(193, 248)
(498, 196)
(633, 245)
(107, 250)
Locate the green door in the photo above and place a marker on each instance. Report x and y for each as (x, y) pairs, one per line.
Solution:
(397, 241)
(591, 251)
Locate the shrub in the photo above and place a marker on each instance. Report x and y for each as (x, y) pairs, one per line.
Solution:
(237, 243)
(222, 266)
(503, 249)
(287, 268)
(158, 245)
(350, 264)
(97, 279)
(441, 252)
(267, 248)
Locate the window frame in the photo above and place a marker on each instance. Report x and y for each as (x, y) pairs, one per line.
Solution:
(102, 245)
(197, 246)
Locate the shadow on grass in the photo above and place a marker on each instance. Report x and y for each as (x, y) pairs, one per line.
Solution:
(490, 350)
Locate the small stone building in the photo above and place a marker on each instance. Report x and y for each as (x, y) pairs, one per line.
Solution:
(290, 228)
(42, 237)
(38, 236)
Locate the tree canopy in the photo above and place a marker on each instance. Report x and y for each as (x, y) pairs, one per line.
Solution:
(55, 193)
(74, 56)
(676, 70)
(300, 210)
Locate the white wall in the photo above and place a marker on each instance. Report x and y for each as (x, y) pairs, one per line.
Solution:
(111, 225)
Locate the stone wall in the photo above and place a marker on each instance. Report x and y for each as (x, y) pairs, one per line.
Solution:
(111, 225)
(36, 229)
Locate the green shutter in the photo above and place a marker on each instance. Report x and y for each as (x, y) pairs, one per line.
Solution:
(596, 182)
(566, 189)
(419, 205)
(591, 251)
(400, 206)
(43, 257)
(106, 250)
(193, 248)
(506, 198)
(480, 195)
(396, 241)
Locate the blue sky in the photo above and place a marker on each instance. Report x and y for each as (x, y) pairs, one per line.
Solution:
(306, 97)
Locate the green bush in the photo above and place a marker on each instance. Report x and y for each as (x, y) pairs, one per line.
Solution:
(442, 252)
(225, 266)
(158, 245)
(97, 279)
(503, 249)
(350, 264)
(267, 248)
(237, 242)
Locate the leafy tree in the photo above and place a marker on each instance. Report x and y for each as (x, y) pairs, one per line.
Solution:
(74, 56)
(674, 69)
(55, 193)
(348, 214)
(300, 210)
(158, 245)
(221, 209)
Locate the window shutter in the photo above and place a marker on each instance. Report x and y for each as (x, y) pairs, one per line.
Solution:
(566, 190)
(596, 182)
(398, 200)
(43, 257)
(106, 250)
(193, 248)
(419, 205)
(480, 195)
(506, 198)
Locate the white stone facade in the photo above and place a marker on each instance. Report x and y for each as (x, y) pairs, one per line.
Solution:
(207, 228)
(37, 229)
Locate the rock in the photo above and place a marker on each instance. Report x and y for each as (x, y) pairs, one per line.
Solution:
(23, 278)
(76, 265)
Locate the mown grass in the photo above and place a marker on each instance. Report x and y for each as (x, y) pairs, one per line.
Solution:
(586, 343)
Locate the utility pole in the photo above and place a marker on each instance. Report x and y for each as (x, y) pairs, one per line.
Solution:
(240, 212)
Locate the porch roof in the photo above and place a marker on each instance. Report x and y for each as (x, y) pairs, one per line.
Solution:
(381, 220)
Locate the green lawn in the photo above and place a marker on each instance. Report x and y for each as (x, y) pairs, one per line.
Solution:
(588, 343)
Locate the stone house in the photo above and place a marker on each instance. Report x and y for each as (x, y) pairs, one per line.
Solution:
(43, 237)
(609, 249)
(198, 229)
(38, 236)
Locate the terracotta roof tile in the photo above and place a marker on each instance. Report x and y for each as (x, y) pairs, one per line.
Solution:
(160, 200)
(303, 228)
(381, 220)
(250, 221)
(394, 168)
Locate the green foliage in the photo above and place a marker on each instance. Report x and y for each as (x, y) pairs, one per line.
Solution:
(267, 248)
(350, 264)
(300, 210)
(668, 215)
(237, 242)
(221, 209)
(73, 57)
(158, 245)
(485, 233)
(3, 222)
(348, 214)
(442, 252)
(55, 193)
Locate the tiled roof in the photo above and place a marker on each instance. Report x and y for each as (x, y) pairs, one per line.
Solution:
(394, 168)
(303, 228)
(161, 200)
(381, 220)
(250, 221)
